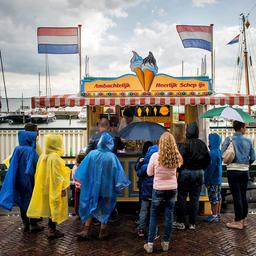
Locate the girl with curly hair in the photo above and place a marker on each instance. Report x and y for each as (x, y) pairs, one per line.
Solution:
(163, 165)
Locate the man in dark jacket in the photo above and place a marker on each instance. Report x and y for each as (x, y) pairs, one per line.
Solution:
(196, 159)
(104, 127)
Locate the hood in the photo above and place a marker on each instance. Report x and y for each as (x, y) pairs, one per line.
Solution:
(106, 142)
(27, 138)
(146, 146)
(54, 144)
(214, 141)
(192, 131)
(150, 152)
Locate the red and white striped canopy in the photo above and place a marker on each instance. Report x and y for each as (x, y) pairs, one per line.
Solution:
(78, 101)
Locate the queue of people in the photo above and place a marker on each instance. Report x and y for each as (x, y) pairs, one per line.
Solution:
(176, 168)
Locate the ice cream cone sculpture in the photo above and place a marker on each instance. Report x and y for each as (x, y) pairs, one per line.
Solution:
(140, 76)
(136, 62)
(145, 69)
(150, 69)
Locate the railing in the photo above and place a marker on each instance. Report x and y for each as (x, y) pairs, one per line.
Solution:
(228, 131)
(74, 140)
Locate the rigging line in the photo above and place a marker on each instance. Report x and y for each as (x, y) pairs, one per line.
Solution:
(252, 9)
(251, 67)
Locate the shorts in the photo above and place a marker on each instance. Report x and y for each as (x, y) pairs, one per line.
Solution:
(214, 193)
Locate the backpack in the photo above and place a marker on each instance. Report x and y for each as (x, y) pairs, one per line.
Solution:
(229, 154)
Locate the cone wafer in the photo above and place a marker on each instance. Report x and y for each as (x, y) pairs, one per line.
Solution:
(140, 76)
(148, 78)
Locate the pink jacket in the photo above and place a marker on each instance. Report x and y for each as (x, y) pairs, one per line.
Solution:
(164, 178)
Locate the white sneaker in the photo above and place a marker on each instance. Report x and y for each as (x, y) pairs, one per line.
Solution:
(148, 247)
(165, 246)
(192, 227)
(180, 226)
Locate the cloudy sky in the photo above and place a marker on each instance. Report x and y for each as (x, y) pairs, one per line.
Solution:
(110, 31)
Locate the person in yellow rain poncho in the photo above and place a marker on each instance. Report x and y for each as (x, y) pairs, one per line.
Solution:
(31, 128)
(52, 178)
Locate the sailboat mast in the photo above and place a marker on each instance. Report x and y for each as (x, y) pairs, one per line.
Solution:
(2, 67)
(245, 57)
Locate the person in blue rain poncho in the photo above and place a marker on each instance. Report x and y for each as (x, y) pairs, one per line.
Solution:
(19, 180)
(101, 176)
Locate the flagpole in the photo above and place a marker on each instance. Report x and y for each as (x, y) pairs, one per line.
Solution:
(80, 57)
(5, 91)
(212, 59)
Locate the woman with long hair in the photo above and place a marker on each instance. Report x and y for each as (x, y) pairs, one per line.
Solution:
(163, 165)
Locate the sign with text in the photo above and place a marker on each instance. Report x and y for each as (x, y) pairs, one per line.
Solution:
(160, 83)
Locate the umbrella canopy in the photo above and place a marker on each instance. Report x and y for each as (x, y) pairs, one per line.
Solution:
(142, 131)
(230, 114)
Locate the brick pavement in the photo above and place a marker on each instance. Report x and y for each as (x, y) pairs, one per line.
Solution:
(207, 239)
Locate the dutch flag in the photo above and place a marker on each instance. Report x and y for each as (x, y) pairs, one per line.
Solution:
(234, 40)
(195, 36)
(57, 40)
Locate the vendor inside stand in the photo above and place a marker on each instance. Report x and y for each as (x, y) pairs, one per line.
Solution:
(128, 118)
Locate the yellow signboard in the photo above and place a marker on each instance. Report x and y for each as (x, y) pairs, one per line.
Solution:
(131, 84)
(166, 83)
(126, 83)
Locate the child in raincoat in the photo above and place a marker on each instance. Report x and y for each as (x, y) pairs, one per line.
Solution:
(19, 180)
(28, 127)
(52, 178)
(101, 176)
(213, 177)
(79, 159)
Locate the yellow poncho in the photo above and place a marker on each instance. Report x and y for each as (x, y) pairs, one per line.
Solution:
(51, 178)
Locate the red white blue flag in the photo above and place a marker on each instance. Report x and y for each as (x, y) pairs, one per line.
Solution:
(234, 40)
(52, 40)
(195, 36)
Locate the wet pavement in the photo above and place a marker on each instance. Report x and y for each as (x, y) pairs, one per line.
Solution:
(207, 239)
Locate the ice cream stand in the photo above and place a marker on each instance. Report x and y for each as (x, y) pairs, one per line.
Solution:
(153, 95)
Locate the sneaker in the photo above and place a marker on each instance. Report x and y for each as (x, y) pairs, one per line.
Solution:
(103, 233)
(140, 233)
(165, 246)
(52, 234)
(148, 247)
(84, 233)
(177, 225)
(192, 227)
(212, 218)
(36, 228)
(235, 224)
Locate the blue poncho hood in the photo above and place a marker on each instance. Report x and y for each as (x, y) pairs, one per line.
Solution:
(101, 176)
(214, 141)
(27, 138)
(213, 174)
(106, 142)
(19, 180)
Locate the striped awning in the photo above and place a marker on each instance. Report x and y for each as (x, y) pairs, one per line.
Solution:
(78, 101)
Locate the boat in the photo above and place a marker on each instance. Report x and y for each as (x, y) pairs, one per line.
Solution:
(20, 116)
(41, 115)
(83, 115)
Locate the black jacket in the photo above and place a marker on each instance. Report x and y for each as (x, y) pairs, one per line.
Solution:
(96, 137)
(197, 155)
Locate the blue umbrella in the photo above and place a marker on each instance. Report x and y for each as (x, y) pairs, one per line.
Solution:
(142, 131)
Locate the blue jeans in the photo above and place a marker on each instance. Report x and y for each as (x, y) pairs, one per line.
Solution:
(189, 184)
(168, 198)
(144, 212)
